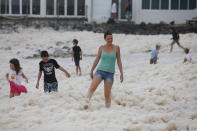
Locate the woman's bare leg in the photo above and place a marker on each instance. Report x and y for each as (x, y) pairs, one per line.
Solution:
(107, 92)
(95, 82)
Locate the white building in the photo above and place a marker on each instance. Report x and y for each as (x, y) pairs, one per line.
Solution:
(148, 11)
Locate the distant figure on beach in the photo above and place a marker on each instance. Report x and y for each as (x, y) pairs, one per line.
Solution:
(128, 11)
(114, 10)
(14, 76)
(175, 38)
(48, 66)
(187, 56)
(108, 54)
(76, 56)
(154, 55)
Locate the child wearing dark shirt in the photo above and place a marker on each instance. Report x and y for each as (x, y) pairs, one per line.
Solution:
(48, 66)
(76, 55)
(175, 38)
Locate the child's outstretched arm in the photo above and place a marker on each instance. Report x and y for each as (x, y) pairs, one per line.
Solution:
(64, 70)
(39, 76)
(26, 79)
(7, 77)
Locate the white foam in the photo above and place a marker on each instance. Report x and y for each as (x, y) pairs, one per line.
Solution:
(153, 97)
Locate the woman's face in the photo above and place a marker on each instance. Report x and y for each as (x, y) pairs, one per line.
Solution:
(12, 66)
(109, 39)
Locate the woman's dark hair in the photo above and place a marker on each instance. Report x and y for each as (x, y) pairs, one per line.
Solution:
(16, 64)
(186, 50)
(44, 53)
(107, 33)
(75, 41)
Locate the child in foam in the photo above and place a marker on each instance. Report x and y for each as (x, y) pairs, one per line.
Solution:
(187, 57)
(14, 76)
(76, 55)
(175, 38)
(107, 55)
(154, 55)
(48, 65)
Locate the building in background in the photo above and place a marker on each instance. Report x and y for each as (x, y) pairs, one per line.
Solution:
(148, 11)
(155, 11)
(43, 8)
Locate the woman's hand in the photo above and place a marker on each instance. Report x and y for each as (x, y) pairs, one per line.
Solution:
(121, 78)
(91, 75)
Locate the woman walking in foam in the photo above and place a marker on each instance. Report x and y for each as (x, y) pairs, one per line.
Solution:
(108, 54)
(14, 78)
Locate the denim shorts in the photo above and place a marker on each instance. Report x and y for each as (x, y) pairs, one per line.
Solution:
(103, 75)
(49, 87)
(128, 14)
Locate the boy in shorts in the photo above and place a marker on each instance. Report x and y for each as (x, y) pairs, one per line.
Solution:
(76, 55)
(48, 66)
(175, 38)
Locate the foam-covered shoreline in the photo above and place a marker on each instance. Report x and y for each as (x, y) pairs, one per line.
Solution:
(153, 97)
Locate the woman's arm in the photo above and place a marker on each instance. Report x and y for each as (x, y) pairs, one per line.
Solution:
(119, 62)
(26, 79)
(96, 61)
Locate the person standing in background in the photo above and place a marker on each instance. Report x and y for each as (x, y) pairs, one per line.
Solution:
(128, 13)
(114, 10)
(76, 55)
